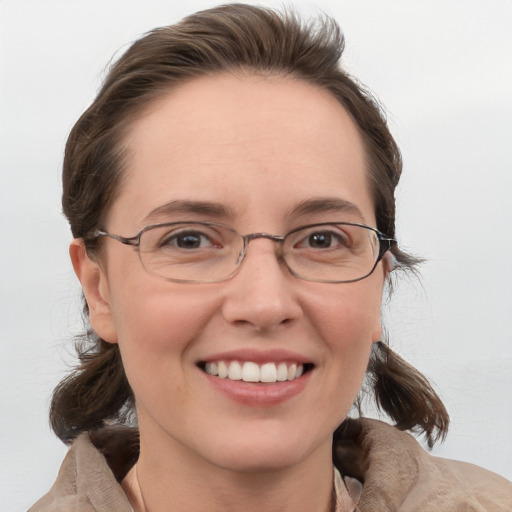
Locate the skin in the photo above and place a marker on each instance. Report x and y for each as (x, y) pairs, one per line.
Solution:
(259, 146)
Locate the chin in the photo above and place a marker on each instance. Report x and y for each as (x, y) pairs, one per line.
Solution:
(263, 462)
(262, 452)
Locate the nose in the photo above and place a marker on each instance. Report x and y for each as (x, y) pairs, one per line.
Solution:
(263, 293)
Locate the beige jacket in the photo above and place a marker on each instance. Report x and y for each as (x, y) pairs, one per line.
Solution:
(396, 473)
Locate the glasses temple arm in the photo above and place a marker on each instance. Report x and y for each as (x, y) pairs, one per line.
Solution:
(134, 240)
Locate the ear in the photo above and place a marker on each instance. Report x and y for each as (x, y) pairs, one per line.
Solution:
(377, 332)
(388, 264)
(95, 287)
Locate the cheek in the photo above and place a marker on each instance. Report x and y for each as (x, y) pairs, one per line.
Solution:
(157, 333)
(157, 324)
(347, 316)
(160, 320)
(346, 320)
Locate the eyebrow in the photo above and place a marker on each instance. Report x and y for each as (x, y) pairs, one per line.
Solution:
(220, 211)
(326, 205)
(203, 208)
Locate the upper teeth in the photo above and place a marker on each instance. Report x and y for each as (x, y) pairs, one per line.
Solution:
(252, 372)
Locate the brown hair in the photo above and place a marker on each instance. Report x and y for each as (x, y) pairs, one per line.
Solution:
(233, 37)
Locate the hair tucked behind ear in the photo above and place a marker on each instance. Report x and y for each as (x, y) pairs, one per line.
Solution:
(405, 395)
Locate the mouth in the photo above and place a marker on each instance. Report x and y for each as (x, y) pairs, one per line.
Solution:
(249, 371)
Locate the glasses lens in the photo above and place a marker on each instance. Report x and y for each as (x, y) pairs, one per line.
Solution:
(190, 252)
(332, 252)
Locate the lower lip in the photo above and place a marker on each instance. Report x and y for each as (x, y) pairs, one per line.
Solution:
(259, 394)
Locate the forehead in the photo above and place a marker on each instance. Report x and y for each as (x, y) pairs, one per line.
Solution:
(256, 144)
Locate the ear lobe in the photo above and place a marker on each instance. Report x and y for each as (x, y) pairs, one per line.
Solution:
(389, 262)
(388, 265)
(95, 287)
(377, 332)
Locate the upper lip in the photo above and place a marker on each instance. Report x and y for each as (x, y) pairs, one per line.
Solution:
(257, 356)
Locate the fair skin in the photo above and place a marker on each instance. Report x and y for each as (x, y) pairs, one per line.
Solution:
(260, 147)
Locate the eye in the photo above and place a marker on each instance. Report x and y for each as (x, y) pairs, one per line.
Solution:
(324, 239)
(188, 240)
(320, 240)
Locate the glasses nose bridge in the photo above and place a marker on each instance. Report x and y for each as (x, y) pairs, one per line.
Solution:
(254, 236)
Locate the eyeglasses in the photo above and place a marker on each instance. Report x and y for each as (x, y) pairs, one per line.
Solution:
(206, 252)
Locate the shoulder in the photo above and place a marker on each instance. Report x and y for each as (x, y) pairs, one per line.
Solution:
(85, 482)
(399, 475)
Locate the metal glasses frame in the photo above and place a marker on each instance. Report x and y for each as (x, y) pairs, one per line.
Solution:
(385, 244)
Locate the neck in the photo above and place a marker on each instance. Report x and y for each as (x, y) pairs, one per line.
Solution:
(168, 477)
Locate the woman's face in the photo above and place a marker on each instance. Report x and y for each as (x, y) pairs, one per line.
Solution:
(255, 149)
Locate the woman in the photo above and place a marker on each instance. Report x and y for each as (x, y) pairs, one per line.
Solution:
(230, 192)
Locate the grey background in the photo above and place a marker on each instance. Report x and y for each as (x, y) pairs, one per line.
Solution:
(442, 69)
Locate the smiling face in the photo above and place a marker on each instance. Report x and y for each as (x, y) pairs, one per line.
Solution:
(259, 154)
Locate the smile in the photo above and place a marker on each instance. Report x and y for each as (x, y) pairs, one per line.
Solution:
(249, 371)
